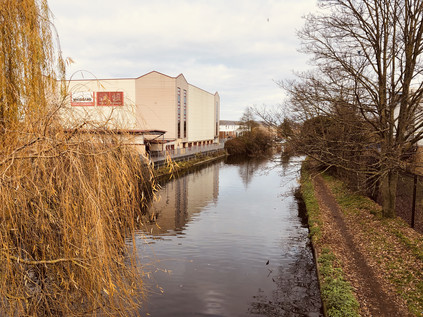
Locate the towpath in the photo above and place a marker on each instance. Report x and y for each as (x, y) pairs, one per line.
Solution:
(374, 293)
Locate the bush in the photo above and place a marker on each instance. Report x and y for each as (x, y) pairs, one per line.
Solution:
(254, 143)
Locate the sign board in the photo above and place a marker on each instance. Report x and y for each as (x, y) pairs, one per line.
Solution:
(82, 98)
(110, 98)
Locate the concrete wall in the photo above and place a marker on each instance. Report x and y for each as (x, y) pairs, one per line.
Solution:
(156, 100)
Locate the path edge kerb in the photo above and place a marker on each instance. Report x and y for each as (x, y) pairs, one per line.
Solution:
(313, 236)
(319, 278)
(344, 300)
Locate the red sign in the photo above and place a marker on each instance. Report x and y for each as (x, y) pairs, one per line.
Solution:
(110, 98)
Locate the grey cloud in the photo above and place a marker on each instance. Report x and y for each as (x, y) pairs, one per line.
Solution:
(229, 46)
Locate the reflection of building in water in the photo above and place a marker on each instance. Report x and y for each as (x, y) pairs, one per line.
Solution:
(182, 198)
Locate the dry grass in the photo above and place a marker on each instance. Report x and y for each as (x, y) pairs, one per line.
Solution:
(68, 202)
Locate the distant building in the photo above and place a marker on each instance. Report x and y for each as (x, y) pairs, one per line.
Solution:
(230, 129)
(164, 112)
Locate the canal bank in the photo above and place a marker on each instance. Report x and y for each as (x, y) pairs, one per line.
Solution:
(368, 266)
(171, 167)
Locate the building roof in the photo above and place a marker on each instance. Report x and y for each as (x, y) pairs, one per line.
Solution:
(228, 122)
(117, 131)
(149, 73)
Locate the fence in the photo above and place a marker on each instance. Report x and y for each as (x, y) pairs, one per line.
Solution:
(158, 157)
(410, 200)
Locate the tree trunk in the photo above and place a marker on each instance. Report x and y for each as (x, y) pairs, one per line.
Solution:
(388, 191)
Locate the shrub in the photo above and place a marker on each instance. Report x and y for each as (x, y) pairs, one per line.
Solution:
(254, 143)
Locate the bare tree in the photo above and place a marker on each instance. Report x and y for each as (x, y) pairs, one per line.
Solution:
(247, 119)
(368, 62)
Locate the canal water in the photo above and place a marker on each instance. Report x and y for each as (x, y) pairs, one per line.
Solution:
(229, 240)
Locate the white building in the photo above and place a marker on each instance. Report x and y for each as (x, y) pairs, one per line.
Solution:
(230, 129)
(149, 106)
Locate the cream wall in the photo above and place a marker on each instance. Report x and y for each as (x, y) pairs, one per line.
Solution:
(156, 103)
(120, 117)
(150, 103)
(201, 114)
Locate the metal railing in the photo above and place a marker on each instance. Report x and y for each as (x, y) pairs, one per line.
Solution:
(189, 151)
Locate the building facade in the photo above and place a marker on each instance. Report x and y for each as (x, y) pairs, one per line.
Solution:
(230, 129)
(145, 106)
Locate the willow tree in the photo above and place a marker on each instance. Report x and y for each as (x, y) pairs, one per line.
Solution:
(29, 66)
(69, 201)
(368, 58)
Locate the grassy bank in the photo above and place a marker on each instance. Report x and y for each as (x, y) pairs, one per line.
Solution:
(337, 296)
(389, 246)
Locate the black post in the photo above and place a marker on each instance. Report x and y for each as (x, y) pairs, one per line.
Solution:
(413, 208)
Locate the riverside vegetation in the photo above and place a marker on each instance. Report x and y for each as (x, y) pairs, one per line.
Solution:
(68, 199)
(392, 249)
(252, 143)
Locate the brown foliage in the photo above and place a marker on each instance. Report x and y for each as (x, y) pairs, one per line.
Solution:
(28, 63)
(251, 143)
(68, 203)
(68, 200)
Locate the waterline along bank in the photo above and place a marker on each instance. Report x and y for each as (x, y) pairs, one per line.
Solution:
(227, 239)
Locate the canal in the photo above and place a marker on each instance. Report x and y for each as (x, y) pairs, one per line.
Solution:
(229, 240)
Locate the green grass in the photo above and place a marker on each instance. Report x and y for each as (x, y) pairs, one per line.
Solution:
(337, 294)
(350, 201)
(412, 245)
(336, 291)
(405, 277)
(312, 205)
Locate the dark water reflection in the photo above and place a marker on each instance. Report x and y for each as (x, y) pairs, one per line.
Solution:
(229, 241)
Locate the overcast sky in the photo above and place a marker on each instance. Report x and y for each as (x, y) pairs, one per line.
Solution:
(238, 48)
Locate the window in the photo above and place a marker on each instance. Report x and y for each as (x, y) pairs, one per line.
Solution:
(185, 113)
(217, 118)
(179, 113)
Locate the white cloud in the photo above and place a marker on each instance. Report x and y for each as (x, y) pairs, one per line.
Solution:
(235, 47)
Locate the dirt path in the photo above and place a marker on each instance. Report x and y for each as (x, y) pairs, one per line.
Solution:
(374, 297)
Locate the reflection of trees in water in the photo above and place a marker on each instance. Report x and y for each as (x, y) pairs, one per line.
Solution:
(247, 171)
(247, 166)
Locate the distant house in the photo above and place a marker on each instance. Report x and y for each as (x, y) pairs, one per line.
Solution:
(168, 112)
(230, 129)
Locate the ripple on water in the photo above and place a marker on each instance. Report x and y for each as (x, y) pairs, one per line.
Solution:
(230, 244)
